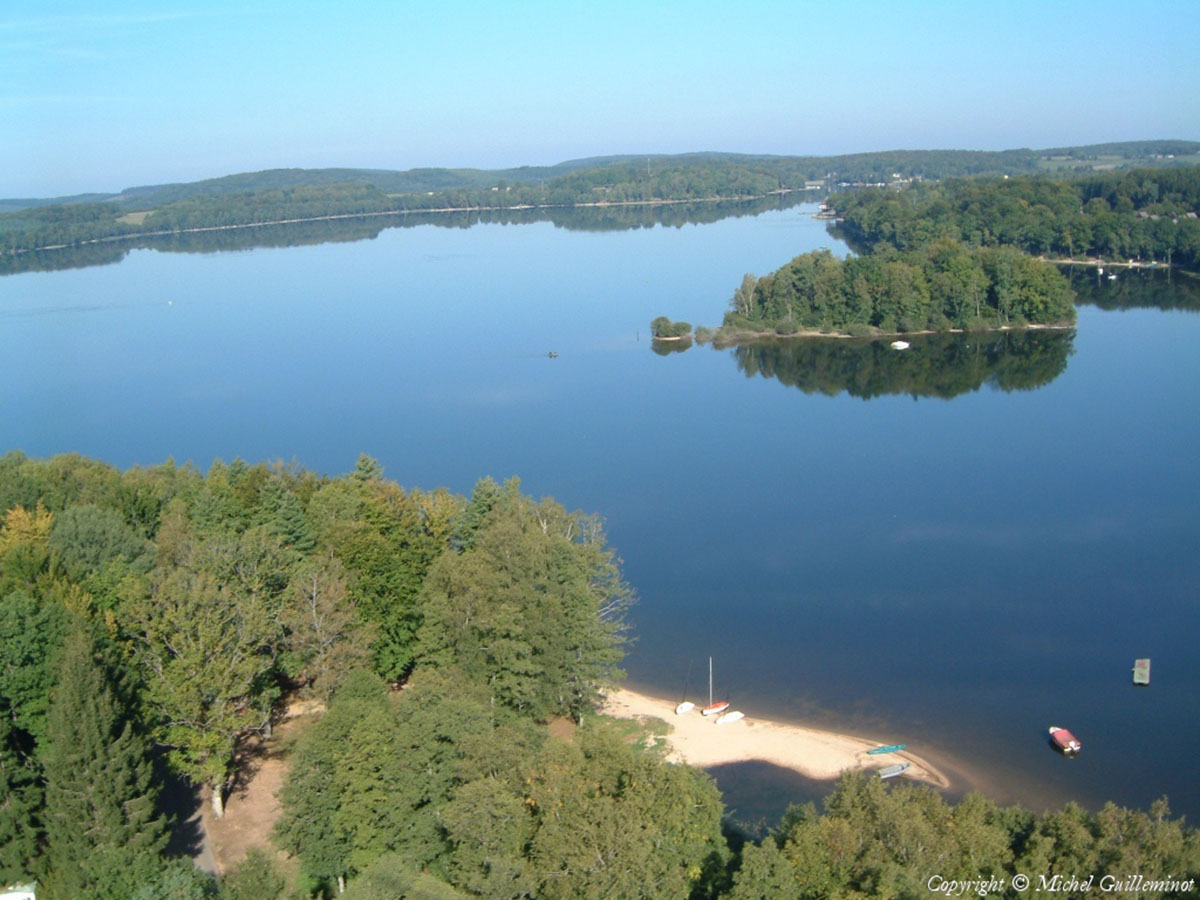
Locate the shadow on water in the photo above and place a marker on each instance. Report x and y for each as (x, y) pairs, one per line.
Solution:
(757, 794)
(935, 365)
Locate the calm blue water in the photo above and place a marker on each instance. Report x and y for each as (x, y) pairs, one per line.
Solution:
(954, 573)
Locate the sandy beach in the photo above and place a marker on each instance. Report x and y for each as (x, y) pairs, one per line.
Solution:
(700, 742)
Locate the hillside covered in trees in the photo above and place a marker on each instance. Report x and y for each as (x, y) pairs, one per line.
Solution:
(1143, 214)
(970, 254)
(156, 619)
(300, 194)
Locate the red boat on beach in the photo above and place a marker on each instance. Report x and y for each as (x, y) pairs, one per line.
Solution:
(1064, 740)
(720, 706)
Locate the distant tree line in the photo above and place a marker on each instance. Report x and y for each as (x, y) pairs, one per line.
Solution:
(284, 194)
(158, 618)
(943, 285)
(1144, 214)
(326, 230)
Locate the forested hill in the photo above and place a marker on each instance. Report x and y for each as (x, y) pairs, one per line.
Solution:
(286, 194)
(1151, 215)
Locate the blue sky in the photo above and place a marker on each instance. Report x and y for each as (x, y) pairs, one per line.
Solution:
(98, 96)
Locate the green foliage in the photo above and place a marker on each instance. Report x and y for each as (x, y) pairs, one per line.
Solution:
(206, 637)
(86, 538)
(256, 878)
(311, 825)
(919, 290)
(30, 635)
(21, 796)
(483, 498)
(103, 831)
(1148, 214)
(281, 512)
(532, 611)
(179, 880)
(881, 841)
(325, 637)
(663, 328)
(391, 877)
(372, 776)
(488, 827)
(613, 821)
(381, 534)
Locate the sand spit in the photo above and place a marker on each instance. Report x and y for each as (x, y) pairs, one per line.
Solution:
(700, 742)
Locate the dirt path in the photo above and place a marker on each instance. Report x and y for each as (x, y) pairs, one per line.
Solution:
(253, 806)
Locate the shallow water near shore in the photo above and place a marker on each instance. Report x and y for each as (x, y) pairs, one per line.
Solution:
(954, 551)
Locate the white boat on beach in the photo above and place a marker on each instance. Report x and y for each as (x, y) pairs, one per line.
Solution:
(730, 717)
(684, 708)
(894, 770)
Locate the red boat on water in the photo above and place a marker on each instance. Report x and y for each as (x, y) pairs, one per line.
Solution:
(1064, 740)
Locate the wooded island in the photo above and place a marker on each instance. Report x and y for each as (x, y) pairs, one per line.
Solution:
(970, 254)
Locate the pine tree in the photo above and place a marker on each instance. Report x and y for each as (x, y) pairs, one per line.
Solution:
(283, 515)
(367, 469)
(104, 833)
(20, 807)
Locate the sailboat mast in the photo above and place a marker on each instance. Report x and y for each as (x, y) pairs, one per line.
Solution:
(710, 681)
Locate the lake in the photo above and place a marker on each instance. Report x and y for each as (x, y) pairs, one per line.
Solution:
(955, 546)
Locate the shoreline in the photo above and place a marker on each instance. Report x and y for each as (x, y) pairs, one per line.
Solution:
(812, 752)
(329, 217)
(751, 337)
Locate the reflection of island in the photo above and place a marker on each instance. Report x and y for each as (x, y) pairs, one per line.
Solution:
(665, 347)
(936, 365)
(341, 229)
(1134, 289)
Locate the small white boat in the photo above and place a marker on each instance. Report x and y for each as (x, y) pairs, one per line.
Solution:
(730, 717)
(900, 345)
(894, 770)
(685, 707)
(1112, 277)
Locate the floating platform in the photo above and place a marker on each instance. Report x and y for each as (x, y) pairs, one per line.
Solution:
(1141, 671)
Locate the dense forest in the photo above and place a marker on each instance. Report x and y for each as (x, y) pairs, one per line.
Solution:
(1143, 214)
(153, 621)
(942, 285)
(291, 194)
